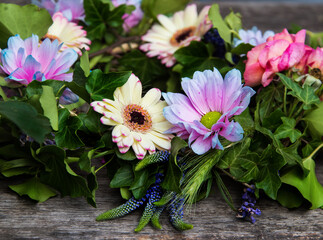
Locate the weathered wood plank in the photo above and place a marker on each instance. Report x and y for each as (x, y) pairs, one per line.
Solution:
(73, 218)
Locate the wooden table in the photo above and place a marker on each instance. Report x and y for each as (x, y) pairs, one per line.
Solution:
(73, 218)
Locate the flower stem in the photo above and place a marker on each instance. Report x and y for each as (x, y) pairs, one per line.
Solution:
(285, 100)
(3, 95)
(104, 164)
(103, 154)
(315, 151)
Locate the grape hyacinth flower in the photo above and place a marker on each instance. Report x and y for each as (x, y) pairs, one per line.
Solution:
(174, 32)
(69, 34)
(27, 60)
(213, 36)
(139, 122)
(252, 36)
(205, 113)
(71, 9)
(246, 211)
(136, 15)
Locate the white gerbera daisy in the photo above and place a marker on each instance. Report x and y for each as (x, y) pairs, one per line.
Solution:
(139, 122)
(68, 33)
(175, 32)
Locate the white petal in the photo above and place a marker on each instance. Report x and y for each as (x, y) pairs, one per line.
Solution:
(162, 126)
(151, 98)
(190, 15)
(161, 141)
(139, 150)
(167, 23)
(131, 90)
(107, 121)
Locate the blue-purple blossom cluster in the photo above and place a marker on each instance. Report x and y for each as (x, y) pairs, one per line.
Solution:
(247, 210)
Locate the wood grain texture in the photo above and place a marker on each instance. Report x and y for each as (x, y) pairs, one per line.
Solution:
(73, 218)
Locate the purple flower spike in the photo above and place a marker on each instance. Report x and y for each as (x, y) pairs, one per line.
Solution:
(27, 60)
(204, 114)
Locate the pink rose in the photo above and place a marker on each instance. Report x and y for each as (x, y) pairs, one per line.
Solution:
(315, 59)
(279, 53)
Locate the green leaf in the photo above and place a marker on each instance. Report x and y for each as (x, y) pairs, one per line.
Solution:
(23, 20)
(314, 120)
(85, 63)
(289, 197)
(233, 20)
(67, 135)
(93, 186)
(48, 102)
(273, 121)
(60, 175)
(125, 193)
(142, 182)
(123, 177)
(250, 162)
(128, 156)
(305, 95)
(308, 185)
(242, 48)
(219, 23)
(154, 7)
(145, 68)
(174, 173)
(102, 85)
(287, 129)
(34, 189)
(196, 57)
(27, 119)
(246, 121)
(270, 163)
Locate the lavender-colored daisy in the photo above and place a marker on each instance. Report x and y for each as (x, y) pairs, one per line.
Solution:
(73, 10)
(130, 20)
(205, 113)
(27, 60)
(252, 36)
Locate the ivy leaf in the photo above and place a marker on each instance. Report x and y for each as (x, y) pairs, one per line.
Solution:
(308, 186)
(174, 173)
(100, 85)
(154, 7)
(305, 95)
(242, 48)
(34, 189)
(67, 134)
(196, 57)
(26, 118)
(123, 177)
(250, 162)
(219, 23)
(23, 20)
(273, 121)
(289, 197)
(270, 163)
(85, 63)
(48, 102)
(246, 121)
(146, 69)
(142, 181)
(314, 120)
(60, 173)
(233, 21)
(93, 186)
(287, 129)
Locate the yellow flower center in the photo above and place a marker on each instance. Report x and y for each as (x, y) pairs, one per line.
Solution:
(136, 118)
(51, 38)
(210, 118)
(181, 35)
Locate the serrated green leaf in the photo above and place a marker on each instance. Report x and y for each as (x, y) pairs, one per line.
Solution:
(67, 134)
(23, 20)
(305, 95)
(35, 189)
(123, 177)
(100, 85)
(48, 102)
(26, 118)
(219, 23)
(250, 162)
(287, 129)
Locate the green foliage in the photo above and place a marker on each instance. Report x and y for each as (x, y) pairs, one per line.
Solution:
(145, 68)
(48, 102)
(34, 189)
(174, 173)
(26, 118)
(154, 7)
(23, 20)
(100, 85)
(308, 186)
(314, 120)
(123, 177)
(219, 23)
(197, 57)
(287, 129)
(68, 126)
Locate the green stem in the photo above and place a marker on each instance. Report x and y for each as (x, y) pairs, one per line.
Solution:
(285, 101)
(59, 91)
(72, 159)
(103, 154)
(298, 111)
(104, 164)
(293, 108)
(3, 95)
(315, 151)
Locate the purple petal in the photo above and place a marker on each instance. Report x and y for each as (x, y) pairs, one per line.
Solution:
(201, 146)
(232, 132)
(214, 87)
